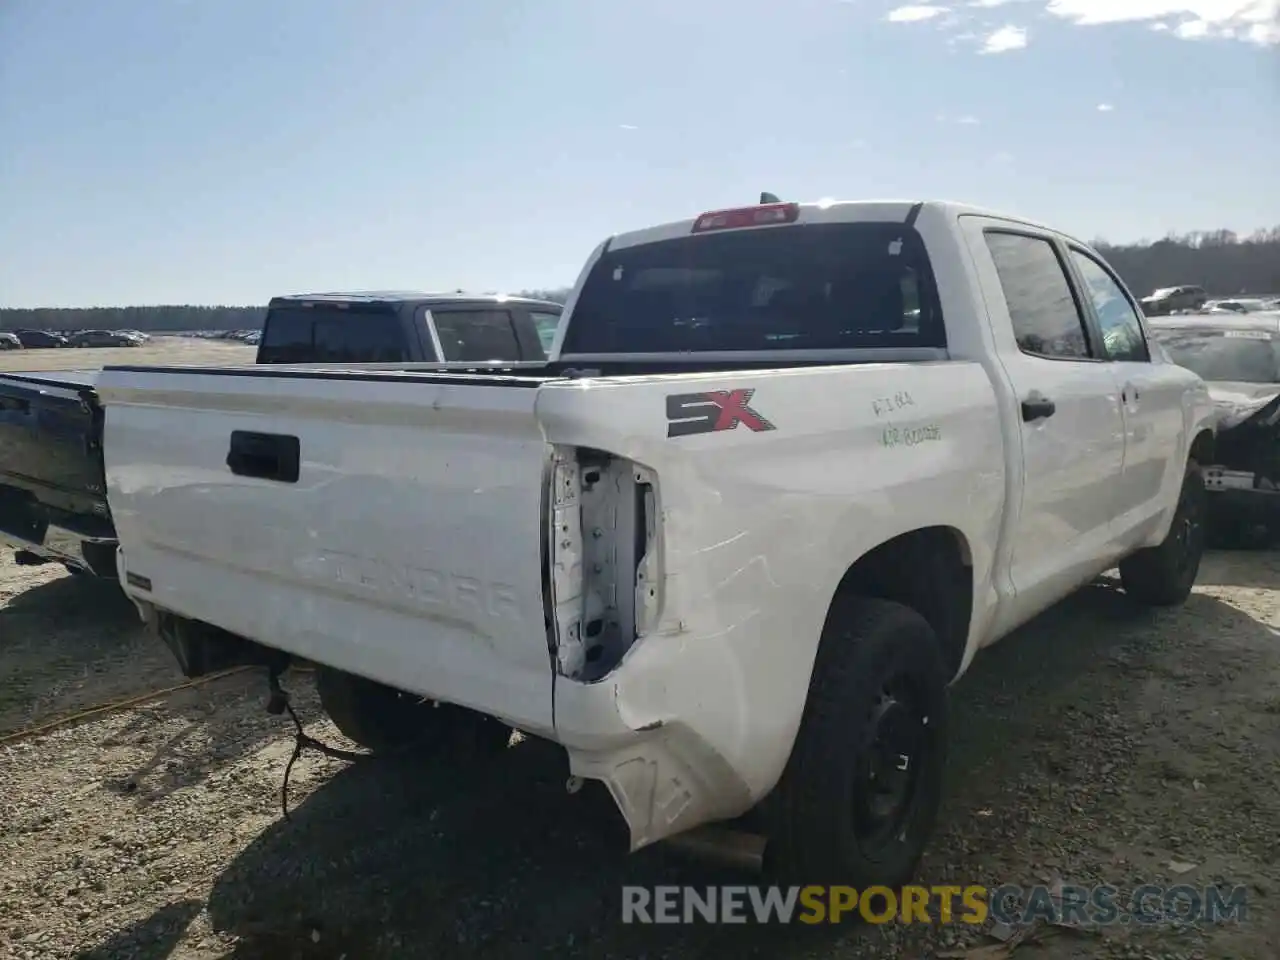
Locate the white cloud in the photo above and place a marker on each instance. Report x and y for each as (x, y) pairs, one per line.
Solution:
(627, 126)
(1253, 21)
(1245, 21)
(1191, 29)
(1264, 34)
(1105, 108)
(1005, 39)
(915, 14)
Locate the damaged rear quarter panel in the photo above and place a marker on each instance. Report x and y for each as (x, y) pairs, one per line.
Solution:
(758, 526)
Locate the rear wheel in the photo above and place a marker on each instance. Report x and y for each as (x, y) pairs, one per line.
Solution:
(1163, 575)
(382, 719)
(857, 802)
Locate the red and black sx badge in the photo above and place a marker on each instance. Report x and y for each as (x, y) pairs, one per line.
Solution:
(690, 413)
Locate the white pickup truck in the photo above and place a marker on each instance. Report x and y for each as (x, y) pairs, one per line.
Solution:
(788, 468)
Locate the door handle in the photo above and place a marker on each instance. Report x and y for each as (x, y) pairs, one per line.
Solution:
(1129, 394)
(267, 456)
(1036, 407)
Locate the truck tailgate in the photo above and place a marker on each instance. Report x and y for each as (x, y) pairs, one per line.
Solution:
(48, 437)
(53, 496)
(385, 524)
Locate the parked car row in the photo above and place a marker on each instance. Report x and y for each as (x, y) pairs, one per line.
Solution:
(49, 339)
(725, 528)
(1172, 301)
(244, 336)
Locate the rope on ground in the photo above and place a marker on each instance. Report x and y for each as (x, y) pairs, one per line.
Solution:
(117, 705)
(304, 741)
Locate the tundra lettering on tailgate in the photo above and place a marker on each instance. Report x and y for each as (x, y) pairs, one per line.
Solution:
(690, 413)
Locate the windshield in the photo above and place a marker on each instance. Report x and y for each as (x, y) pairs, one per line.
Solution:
(1245, 356)
(805, 287)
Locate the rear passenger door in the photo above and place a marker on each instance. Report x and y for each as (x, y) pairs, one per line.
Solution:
(1150, 395)
(1070, 425)
(474, 335)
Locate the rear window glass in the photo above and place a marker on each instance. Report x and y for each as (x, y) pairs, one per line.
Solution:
(476, 335)
(1243, 356)
(320, 335)
(804, 287)
(547, 324)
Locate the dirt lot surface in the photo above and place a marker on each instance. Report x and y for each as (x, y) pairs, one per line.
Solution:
(185, 351)
(1101, 744)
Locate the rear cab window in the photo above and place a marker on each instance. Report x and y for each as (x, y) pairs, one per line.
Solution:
(547, 324)
(329, 333)
(475, 335)
(825, 286)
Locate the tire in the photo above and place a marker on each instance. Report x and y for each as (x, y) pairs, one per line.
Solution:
(384, 720)
(1163, 575)
(879, 670)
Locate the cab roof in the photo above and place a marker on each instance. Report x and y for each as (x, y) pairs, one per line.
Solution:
(414, 297)
(838, 211)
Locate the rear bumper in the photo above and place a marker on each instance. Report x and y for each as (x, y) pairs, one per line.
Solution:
(86, 543)
(666, 776)
(60, 545)
(692, 727)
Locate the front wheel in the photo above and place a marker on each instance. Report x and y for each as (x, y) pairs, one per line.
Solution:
(1163, 575)
(857, 801)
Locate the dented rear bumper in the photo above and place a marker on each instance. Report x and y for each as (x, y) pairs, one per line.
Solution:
(656, 751)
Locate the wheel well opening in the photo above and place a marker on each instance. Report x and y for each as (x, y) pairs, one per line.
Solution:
(929, 570)
(1202, 448)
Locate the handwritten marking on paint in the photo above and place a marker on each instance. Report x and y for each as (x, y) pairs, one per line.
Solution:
(910, 436)
(883, 406)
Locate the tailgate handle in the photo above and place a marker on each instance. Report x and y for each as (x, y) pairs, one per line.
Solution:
(268, 456)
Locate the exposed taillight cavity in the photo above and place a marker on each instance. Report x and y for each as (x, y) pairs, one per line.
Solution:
(605, 570)
(763, 215)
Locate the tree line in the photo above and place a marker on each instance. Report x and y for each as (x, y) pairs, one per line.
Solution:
(1220, 261)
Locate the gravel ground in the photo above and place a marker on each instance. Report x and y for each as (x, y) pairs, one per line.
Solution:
(1102, 743)
(184, 351)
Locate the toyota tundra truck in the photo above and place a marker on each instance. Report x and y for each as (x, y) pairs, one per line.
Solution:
(787, 469)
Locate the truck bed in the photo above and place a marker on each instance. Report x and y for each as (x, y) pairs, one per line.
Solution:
(425, 530)
(53, 501)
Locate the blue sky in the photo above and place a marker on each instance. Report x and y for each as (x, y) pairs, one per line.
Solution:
(177, 151)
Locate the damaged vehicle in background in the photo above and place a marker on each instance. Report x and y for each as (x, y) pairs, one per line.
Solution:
(1238, 356)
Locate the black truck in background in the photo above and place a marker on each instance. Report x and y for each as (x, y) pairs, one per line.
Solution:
(53, 493)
